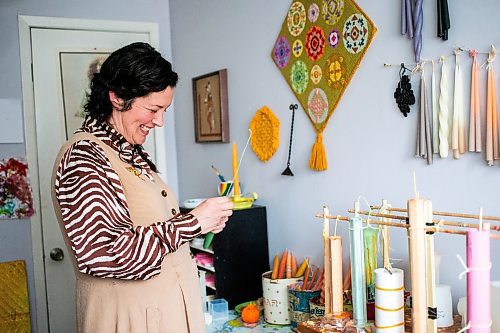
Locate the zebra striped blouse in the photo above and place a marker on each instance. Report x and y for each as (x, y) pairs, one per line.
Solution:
(102, 235)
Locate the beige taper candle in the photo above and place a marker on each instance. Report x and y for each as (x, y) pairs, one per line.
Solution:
(336, 275)
(417, 264)
(328, 261)
(431, 272)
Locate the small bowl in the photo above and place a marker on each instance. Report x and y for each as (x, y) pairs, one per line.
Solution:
(192, 203)
(238, 308)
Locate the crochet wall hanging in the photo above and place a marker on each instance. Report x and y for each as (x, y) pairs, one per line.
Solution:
(16, 200)
(265, 127)
(318, 49)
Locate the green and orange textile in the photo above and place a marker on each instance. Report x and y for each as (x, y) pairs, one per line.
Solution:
(319, 47)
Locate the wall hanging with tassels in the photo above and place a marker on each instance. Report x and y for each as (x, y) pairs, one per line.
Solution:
(318, 49)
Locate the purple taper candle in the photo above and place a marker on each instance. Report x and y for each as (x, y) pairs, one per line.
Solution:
(418, 20)
(409, 18)
(403, 17)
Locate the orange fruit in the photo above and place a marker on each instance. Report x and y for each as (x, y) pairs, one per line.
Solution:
(250, 314)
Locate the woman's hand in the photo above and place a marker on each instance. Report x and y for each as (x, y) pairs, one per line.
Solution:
(213, 213)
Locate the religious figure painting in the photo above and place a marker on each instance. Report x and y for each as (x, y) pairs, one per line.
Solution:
(210, 107)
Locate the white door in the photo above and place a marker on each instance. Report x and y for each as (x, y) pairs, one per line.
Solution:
(58, 56)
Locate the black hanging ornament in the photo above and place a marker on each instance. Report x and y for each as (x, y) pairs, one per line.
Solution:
(404, 94)
(288, 171)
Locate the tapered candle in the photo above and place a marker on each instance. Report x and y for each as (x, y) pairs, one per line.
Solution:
(431, 271)
(418, 20)
(386, 235)
(328, 262)
(491, 113)
(389, 300)
(458, 128)
(337, 283)
(475, 108)
(357, 271)
(478, 279)
(424, 135)
(370, 236)
(435, 113)
(236, 182)
(443, 112)
(417, 264)
(409, 18)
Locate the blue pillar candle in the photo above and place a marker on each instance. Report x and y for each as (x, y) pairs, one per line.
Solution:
(357, 271)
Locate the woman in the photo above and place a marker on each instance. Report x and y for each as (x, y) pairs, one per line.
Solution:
(134, 272)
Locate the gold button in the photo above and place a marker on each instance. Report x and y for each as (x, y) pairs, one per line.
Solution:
(174, 211)
(164, 193)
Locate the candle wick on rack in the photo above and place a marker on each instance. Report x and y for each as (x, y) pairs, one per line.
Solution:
(415, 185)
(241, 159)
(481, 218)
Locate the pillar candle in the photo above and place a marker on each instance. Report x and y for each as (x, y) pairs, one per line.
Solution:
(337, 283)
(478, 279)
(328, 262)
(430, 270)
(389, 300)
(417, 264)
(495, 305)
(357, 271)
(236, 182)
(444, 305)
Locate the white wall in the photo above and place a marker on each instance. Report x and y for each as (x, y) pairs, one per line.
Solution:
(370, 145)
(15, 235)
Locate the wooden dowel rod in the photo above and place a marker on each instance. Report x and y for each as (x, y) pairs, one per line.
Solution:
(389, 216)
(443, 222)
(467, 216)
(346, 219)
(401, 225)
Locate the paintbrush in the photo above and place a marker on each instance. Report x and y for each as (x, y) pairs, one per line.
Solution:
(217, 173)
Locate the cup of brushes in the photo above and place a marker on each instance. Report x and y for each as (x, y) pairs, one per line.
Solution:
(232, 187)
(282, 305)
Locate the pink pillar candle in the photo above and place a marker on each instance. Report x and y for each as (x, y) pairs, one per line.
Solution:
(478, 280)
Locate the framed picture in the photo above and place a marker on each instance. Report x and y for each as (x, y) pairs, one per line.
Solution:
(77, 69)
(211, 119)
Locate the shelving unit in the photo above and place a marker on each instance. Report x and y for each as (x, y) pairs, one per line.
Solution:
(241, 256)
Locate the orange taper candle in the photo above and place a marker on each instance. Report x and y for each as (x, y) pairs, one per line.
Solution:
(236, 183)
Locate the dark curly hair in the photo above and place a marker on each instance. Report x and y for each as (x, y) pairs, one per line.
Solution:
(135, 70)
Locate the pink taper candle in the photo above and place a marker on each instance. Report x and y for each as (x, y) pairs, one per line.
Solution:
(478, 280)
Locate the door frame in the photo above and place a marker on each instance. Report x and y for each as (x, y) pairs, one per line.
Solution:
(26, 23)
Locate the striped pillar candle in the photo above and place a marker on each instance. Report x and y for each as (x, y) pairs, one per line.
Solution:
(389, 300)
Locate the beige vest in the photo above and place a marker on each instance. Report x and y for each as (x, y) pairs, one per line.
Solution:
(167, 303)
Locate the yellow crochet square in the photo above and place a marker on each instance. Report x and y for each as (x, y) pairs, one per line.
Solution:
(265, 128)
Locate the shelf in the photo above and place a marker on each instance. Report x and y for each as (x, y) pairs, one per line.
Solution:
(200, 248)
(211, 269)
(210, 287)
